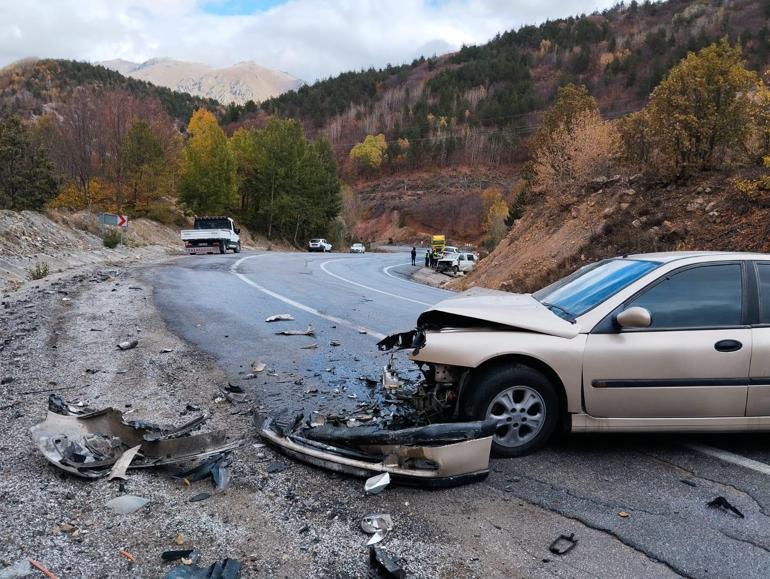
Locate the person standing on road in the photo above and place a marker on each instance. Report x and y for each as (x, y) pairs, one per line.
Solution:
(427, 257)
(414, 255)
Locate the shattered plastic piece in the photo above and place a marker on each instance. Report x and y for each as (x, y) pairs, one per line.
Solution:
(128, 556)
(317, 420)
(376, 525)
(258, 367)
(227, 569)
(309, 331)
(377, 484)
(199, 497)
(120, 466)
(723, 504)
(623, 514)
(128, 345)
(177, 554)
(220, 474)
(166, 351)
(89, 445)
(563, 544)
(335, 343)
(309, 347)
(385, 565)
(127, 504)
(280, 318)
(276, 467)
(18, 570)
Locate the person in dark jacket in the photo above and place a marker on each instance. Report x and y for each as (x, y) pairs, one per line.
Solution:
(427, 258)
(414, 255)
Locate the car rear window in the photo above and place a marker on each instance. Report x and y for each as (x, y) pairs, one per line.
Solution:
(589, 286)
(211, 224)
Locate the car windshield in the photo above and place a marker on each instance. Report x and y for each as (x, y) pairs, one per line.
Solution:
(589, 286)
(315, 241)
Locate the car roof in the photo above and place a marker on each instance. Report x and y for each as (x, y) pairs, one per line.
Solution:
(669, 256)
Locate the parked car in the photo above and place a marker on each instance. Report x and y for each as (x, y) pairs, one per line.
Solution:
(212, 235)
(456, 262)
(358, 248)
(676, 342)
(319, 245)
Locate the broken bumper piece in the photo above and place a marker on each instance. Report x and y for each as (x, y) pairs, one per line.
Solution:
(89, 444)
(434, 456)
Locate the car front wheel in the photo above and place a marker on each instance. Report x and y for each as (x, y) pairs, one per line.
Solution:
(521, 400)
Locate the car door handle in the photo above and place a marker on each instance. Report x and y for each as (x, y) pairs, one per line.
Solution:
(728, 346)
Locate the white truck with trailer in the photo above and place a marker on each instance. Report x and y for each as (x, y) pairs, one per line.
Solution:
(212, 235)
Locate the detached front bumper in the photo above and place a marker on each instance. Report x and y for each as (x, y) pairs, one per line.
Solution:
(409, 455)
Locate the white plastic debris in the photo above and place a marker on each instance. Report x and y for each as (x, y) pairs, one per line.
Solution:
(127, 504)
(128, 345)
(280, 318)
(376, 525)
(376, 484)
(258, 367)
(120, 466)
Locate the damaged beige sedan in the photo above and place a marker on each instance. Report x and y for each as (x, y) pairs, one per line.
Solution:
(651, 342)
(654, 342)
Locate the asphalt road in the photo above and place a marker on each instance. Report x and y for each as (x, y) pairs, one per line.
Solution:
(663, 483)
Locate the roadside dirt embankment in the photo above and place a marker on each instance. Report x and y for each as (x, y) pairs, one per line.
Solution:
(616, 216)
(66, 240)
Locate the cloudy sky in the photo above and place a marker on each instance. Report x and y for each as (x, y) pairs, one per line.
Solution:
(310, 39)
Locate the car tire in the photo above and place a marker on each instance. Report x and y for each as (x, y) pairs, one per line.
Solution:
(517, 395)
(455, 269)
(237, 248)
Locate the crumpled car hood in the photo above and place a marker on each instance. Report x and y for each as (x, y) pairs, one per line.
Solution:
(519, 311)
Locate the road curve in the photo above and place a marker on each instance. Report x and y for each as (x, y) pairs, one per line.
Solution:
(220, 303)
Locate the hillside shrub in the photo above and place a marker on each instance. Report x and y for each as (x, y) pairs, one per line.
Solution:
(111, 238)
(37, 271)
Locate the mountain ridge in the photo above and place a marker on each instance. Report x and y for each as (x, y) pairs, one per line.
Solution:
(239, 83)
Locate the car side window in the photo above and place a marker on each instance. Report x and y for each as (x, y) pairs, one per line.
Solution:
(763, 279)
(705, 296)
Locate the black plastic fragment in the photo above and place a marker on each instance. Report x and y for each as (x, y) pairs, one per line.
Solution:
(275, 467)
(723, 504)
(176, 554)
(563, 544)
(200, 471)
(381, 564)
(431, 434)
(199, 497)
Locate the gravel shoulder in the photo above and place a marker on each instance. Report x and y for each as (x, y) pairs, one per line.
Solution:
(60, 334)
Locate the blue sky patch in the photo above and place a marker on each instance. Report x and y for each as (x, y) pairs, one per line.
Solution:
(238, 7)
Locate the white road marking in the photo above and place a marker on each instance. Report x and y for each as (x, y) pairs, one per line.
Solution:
(731, 457)
(351, 282)
(296, 304)
(386, 271)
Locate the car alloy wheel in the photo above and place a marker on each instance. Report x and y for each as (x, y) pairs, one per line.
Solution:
(521, 412)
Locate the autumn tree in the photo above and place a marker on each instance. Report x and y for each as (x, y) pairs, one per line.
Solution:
(702, 111)
(207, 182)
(370, 153)
(575, 144)
(26, 175)
(496, 212)
(144, 163)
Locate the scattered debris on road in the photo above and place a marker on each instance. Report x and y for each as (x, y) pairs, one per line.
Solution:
(89, 443)
(376, 525)
(42, 569)
(280, 318)
(126, 504)
(120, 466)
(128, 345)
(723, 504)
(309, 331)
(563, 544)
(376, 484)
(384, 565)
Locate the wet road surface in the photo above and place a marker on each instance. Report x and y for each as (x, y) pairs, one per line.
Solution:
(663, 483)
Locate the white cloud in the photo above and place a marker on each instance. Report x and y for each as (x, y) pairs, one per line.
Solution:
(308, 38)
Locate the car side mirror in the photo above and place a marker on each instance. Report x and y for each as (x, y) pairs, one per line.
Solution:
(634, 317)
(237, 230)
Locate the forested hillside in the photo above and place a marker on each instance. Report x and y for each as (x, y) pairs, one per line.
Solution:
(464, 144)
